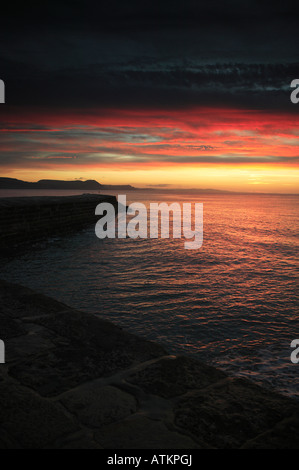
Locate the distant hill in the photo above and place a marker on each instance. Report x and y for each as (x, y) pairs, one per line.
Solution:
(120, 188)
(92, 185)
(187, 190)
(57, 184)
(10, 183)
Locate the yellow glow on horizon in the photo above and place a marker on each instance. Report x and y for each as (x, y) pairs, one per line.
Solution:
(250, 178)
(228, 149)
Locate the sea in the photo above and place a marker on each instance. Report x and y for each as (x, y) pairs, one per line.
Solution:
(234, 303)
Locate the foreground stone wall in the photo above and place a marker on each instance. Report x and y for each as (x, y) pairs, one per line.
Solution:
(26, 219)
(74, 381)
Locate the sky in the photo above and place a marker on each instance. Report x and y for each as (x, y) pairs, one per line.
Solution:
(169, 94)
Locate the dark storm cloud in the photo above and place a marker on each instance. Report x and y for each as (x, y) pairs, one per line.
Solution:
(71, 54)
(119, 14)
(115, 157)
(258, 86)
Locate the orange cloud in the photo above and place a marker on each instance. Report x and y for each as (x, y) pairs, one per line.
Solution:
(206, 141)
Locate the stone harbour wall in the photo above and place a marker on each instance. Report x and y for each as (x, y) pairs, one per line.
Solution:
(74, 381)
(27, 219)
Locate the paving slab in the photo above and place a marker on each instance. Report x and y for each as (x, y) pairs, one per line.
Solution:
(74, 381)
(96, 405)
(139, 432)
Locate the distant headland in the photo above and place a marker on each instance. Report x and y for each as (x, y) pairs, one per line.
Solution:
(92, 185)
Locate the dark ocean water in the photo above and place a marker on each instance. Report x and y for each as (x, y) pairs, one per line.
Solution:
(234, 303)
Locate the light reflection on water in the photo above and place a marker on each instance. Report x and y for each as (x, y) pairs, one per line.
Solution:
(233, 303)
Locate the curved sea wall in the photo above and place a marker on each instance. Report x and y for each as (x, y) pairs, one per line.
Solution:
(74, 381)
(27, 219)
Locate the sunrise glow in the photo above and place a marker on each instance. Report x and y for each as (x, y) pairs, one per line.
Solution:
(195, 148)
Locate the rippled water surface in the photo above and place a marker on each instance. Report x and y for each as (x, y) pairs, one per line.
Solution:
(234, 303)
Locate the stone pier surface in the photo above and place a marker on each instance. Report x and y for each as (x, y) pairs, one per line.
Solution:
(74, 381)
(24, 220)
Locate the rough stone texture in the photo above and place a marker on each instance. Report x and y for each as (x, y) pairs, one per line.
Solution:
(97, 405)
(10, 328)
(28, 421)
(283, 436)
(139, 432)
(74, 381)
(231, 413)
(172, 378)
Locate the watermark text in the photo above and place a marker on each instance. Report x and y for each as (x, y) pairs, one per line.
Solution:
(295, 353)
(161, 459)
(2, 92)
(2, 352)
(160, 221)
(295, 93)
